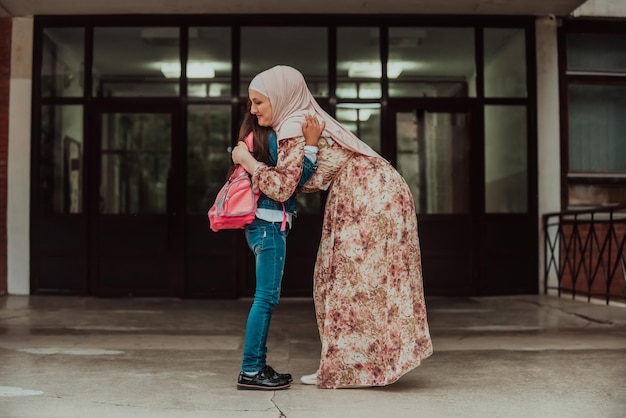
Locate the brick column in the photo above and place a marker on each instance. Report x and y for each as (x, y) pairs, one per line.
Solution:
(5, 77)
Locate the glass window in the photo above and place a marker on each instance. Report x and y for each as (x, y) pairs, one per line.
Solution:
(596, 53)
(208, 154)
(431, 62)
(591, 195)
(135, 163)
(597, 122)
(433, 157)
(209, 66)
(505, 63)
(506, 159)
(136, 62)
(61, 159)
(363, 120)
(265, 47)
(358, 63)
(63, 62)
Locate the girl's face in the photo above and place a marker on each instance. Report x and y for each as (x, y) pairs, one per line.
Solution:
(261, 107)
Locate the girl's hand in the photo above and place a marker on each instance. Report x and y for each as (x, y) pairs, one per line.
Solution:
(312, 129)
(240, 153)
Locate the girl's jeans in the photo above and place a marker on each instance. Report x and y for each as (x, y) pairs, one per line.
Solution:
(269, 246)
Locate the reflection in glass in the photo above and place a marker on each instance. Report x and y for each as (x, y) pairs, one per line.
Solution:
(358, 63)
(62, 66)
(432, 156)
(363, 120)
(596, 53)
(208, 156)
(135, 163)
(136, 62)
(209, 66)
(597, 122)
(61, 159)
(506, 158)
(431, 62)
(592, 195)
(265, 47)
(505, 63)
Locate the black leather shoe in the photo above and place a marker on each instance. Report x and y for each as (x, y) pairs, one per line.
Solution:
(261, 381)
(275, 375)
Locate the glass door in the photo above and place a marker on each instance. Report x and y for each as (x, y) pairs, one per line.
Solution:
(135, 233)
(433, 152)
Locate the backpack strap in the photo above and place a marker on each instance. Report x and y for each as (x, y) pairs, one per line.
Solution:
(250, 141)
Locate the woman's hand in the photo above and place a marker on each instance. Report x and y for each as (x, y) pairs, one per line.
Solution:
(312, 129)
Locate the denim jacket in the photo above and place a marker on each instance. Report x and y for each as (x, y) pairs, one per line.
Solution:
(307, 171)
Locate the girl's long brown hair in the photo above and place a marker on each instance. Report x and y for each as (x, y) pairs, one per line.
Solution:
(261, 151)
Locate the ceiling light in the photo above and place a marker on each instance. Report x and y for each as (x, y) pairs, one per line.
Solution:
(373, 69)
(194, 70)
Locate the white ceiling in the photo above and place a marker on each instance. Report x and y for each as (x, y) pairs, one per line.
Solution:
(25, 8)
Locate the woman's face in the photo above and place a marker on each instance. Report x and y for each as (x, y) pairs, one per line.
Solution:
(261, 107)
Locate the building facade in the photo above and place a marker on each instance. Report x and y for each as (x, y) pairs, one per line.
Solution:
(119, 128)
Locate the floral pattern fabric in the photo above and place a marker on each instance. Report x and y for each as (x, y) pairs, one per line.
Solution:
(279, 182)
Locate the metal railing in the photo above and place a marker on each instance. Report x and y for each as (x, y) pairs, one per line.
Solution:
(585, 253)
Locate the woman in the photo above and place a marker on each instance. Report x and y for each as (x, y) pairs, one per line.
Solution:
(266, 237)
(368, 291)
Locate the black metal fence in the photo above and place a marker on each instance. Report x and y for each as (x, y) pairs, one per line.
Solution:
(585, 253)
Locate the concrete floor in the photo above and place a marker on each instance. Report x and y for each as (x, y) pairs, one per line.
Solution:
(521, 356)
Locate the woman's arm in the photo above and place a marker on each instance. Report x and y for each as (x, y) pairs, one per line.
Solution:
(279, 182)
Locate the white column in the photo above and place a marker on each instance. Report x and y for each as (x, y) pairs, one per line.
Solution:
(18, 204)
(548, 124)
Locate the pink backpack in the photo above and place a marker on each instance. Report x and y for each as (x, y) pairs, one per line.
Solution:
(235, 204)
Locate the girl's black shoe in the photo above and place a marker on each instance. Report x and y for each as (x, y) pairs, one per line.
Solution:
(274, 374)
(261, 381)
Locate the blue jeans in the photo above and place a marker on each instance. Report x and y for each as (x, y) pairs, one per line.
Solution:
(269, 246)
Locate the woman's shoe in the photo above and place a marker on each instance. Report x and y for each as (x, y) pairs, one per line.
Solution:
(309, 379)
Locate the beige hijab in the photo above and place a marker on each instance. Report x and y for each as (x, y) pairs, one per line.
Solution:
(291, 101)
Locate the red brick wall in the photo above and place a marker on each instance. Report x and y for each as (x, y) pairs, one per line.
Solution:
(591, 260)
(5, 74)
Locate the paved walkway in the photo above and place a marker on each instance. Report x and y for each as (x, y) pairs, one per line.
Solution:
(518, 356)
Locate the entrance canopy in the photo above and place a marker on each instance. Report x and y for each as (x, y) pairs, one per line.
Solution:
(21, 8)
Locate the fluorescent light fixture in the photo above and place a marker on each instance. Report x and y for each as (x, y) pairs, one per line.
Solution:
(373, 69)
(352, 115)
(194, 70)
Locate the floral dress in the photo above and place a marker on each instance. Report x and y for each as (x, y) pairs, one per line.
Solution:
(368, 290)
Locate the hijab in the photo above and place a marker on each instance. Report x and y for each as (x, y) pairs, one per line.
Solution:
(291, 101)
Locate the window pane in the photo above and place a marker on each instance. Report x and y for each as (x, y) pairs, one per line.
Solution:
(135, 163)
(63, 62)
(588, 52)
(431, 62)
(136, 62)
(505, 63)
(358, 63)
(208, 154)
(432, 156)
(363, 120)
(265, 47)
(597, 122)
(61, 159)
(209, 67)
(506, 159)
(591, 195)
